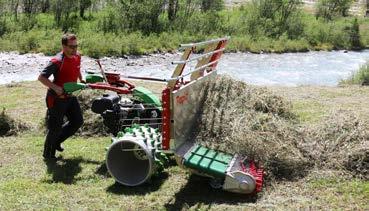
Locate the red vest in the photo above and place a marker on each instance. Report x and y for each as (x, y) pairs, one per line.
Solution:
(69, 69)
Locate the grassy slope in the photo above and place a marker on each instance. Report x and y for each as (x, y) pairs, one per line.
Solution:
(80, 180)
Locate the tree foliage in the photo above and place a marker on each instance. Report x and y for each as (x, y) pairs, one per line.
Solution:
(354, 33)
(173, 7)
(328, 9)
(275, 18)
(207, 5)
(141, 15)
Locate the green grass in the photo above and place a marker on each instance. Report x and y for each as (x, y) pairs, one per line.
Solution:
(309, 111)
(80, 181)
(347, 189)
(361, 77)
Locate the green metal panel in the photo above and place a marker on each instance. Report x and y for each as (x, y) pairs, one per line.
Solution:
(91, 78)
(207, 160)
(146, 96)
(70, 87)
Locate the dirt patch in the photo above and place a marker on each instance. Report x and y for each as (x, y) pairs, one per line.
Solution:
(9, 126)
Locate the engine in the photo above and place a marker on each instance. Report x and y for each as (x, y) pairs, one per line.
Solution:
(119, 113)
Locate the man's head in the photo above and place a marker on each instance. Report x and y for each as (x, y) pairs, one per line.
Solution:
(69, 43)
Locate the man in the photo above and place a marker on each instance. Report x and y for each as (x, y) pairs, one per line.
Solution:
(65, 67)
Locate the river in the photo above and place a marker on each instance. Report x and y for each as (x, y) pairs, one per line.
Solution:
(288, 69)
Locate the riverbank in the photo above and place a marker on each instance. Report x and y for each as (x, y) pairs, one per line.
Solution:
(80, 179)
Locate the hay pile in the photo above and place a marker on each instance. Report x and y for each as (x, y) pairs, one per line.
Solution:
(252, 121)
(247, 120)
(9, 126)
(93, 123)
(340, 142)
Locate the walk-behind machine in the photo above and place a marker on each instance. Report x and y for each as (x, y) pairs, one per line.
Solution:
(147, 129)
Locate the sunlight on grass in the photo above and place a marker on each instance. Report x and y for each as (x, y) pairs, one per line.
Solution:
(309, 111)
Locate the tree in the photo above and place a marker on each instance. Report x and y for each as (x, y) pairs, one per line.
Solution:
(355, 39)
(274, 18)
(207, 5)
(328, 9)
(83, 5)
(3, 24)
(45, 6)
(173, 7)
(30, 7)
(14, 5)
(142, 15)
(62, 13)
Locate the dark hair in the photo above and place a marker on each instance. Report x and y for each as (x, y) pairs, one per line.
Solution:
(67, 37)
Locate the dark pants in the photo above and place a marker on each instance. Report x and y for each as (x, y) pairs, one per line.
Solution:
(58, 131)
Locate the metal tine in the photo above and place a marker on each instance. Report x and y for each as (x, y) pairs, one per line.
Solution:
(197, 69)
(141, 109)
(145, 119)
(199, 57)
(203, 43)
(129, 125)
(148, 104)
(131, 150)
(159, 80)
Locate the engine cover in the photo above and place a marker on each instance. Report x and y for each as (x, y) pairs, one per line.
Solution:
(119, 113)
(106, 102)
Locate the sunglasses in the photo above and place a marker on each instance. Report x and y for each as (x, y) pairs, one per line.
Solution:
(73, 46)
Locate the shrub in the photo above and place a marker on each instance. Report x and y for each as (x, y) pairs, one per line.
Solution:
(328, 9)
(273, 18)
(360, 77)
(3, 26)
(354, 32)
(29, 42)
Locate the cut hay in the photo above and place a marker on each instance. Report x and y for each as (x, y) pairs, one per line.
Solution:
(254, 122)
(93, 123)
(9, 126)
(251, 121)
(340, 141)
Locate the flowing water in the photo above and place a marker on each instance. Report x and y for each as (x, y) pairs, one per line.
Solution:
(289, 69)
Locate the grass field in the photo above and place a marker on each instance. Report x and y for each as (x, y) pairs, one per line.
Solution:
(80, 181)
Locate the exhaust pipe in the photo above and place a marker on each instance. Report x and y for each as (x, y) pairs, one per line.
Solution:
(133, 158)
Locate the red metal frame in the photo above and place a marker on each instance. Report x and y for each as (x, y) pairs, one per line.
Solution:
(256, 172)
(114, 79)
(166, 119)
(114, 83)
(106, 86)
(216, 56)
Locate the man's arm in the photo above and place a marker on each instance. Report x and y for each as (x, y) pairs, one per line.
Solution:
(80, 78)
(50, 69)
(45, 81)
(80, 73)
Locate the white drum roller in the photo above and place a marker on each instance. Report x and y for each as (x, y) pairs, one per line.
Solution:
(133, 158)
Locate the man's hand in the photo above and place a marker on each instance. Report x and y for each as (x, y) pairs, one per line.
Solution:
(45, 81)
(58, 90)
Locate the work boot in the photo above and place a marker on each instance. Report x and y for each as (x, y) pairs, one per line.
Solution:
(59, 148)
(49, 153)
